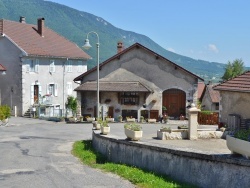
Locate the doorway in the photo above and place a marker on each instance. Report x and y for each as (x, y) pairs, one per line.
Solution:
(36, 94)
(175, 102)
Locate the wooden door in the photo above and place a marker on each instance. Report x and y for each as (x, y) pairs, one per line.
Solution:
(175, 102)
(154, 114)
(36, 91)
(111, 111)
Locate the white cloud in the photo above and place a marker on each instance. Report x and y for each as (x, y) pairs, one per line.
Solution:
(171, 50)
(213, 48)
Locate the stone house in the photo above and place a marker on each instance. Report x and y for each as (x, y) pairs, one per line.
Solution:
(41, 67)
(137, 82)
(235, 98)
(210, 98)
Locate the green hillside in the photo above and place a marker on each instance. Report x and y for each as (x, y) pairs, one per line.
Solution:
(74, 25)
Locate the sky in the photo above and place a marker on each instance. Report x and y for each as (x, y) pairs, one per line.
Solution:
(213, 30)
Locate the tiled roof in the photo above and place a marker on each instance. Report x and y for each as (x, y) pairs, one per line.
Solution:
(51, 44)
(240, 83)
(2, 68)
(113, 86)
(136, 45)
(214, 95)
(200, 88)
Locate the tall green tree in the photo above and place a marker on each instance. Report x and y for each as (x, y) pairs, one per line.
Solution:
(233, 69)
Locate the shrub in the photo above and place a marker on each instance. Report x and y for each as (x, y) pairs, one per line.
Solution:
(5, 112)
(243, 135)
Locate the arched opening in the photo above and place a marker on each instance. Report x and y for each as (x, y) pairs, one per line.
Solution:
(175, 102)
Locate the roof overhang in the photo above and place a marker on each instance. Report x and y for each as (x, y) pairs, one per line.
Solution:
(114, 87)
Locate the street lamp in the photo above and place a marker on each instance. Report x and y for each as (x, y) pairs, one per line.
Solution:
(87, 46)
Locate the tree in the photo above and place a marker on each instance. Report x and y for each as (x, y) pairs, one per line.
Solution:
(72, 104)
(233, 69)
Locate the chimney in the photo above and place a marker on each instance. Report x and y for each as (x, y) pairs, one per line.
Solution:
(40, 26)
(119, 46)
(22, 19)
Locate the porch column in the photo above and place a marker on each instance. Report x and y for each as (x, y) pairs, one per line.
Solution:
(192, 122)
(79, 107)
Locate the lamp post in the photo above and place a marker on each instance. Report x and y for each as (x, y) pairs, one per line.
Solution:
(87, 46)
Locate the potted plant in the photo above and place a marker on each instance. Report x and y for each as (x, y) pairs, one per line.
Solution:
(5, 113)
(110, 119)
(105, 128)
(97, 124)
(133, 131)
(120, 118)
(239, 142)
(130, 119)
(166, 129)
(90, 119)
(141, 119)
(151, 120)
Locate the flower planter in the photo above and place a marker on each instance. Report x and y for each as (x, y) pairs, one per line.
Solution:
(130, 119)
(96, 125)
(110, 119)
(105, 130)
(90, 119)
(133, 135)
(238, 146)
(151, 120)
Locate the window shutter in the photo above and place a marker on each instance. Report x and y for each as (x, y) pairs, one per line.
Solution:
(40, 90)
(32, 94)
(37, 65)
(47, 89)
(56, 86)
(28, 66)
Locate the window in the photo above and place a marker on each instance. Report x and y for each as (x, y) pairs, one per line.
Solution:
(69, 66)
(69, 88)
(32, 65)
(52, 89)
(52, 67)
(129, 98)
(79, 66)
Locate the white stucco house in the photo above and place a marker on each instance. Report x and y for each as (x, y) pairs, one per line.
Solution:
(137, 82)
(40, 64)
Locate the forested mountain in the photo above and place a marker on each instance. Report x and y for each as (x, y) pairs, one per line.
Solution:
(74, 25)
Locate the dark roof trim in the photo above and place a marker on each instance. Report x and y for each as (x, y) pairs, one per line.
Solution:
(137, 45)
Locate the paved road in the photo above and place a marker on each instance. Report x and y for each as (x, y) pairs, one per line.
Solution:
(37, 153)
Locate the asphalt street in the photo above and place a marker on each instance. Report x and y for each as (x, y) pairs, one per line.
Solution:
(37, 153)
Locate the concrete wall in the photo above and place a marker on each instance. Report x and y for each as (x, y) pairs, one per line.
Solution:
(20, 80)
(234, 103)
(199, 169)
(158, 74)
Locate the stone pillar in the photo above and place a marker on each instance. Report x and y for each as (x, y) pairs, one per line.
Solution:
(79, 106)
(192, 122)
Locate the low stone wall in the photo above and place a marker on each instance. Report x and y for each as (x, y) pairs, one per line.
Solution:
(198, 169)
(179, 134)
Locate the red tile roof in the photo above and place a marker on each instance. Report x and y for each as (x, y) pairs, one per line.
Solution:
(113, 86)
(51, 44)
(200, 88)
(240, 83)
(214, 95)
(136, 45)
(2, 68)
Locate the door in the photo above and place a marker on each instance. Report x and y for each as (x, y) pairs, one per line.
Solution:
(110, 111)
(175, 102)
(154, 114)
(36, 94)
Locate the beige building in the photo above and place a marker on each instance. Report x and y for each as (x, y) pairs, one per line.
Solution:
(235, 99)
(41, 66)
(137, 82)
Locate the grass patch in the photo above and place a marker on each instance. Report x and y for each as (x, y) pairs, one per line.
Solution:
(141, 178)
